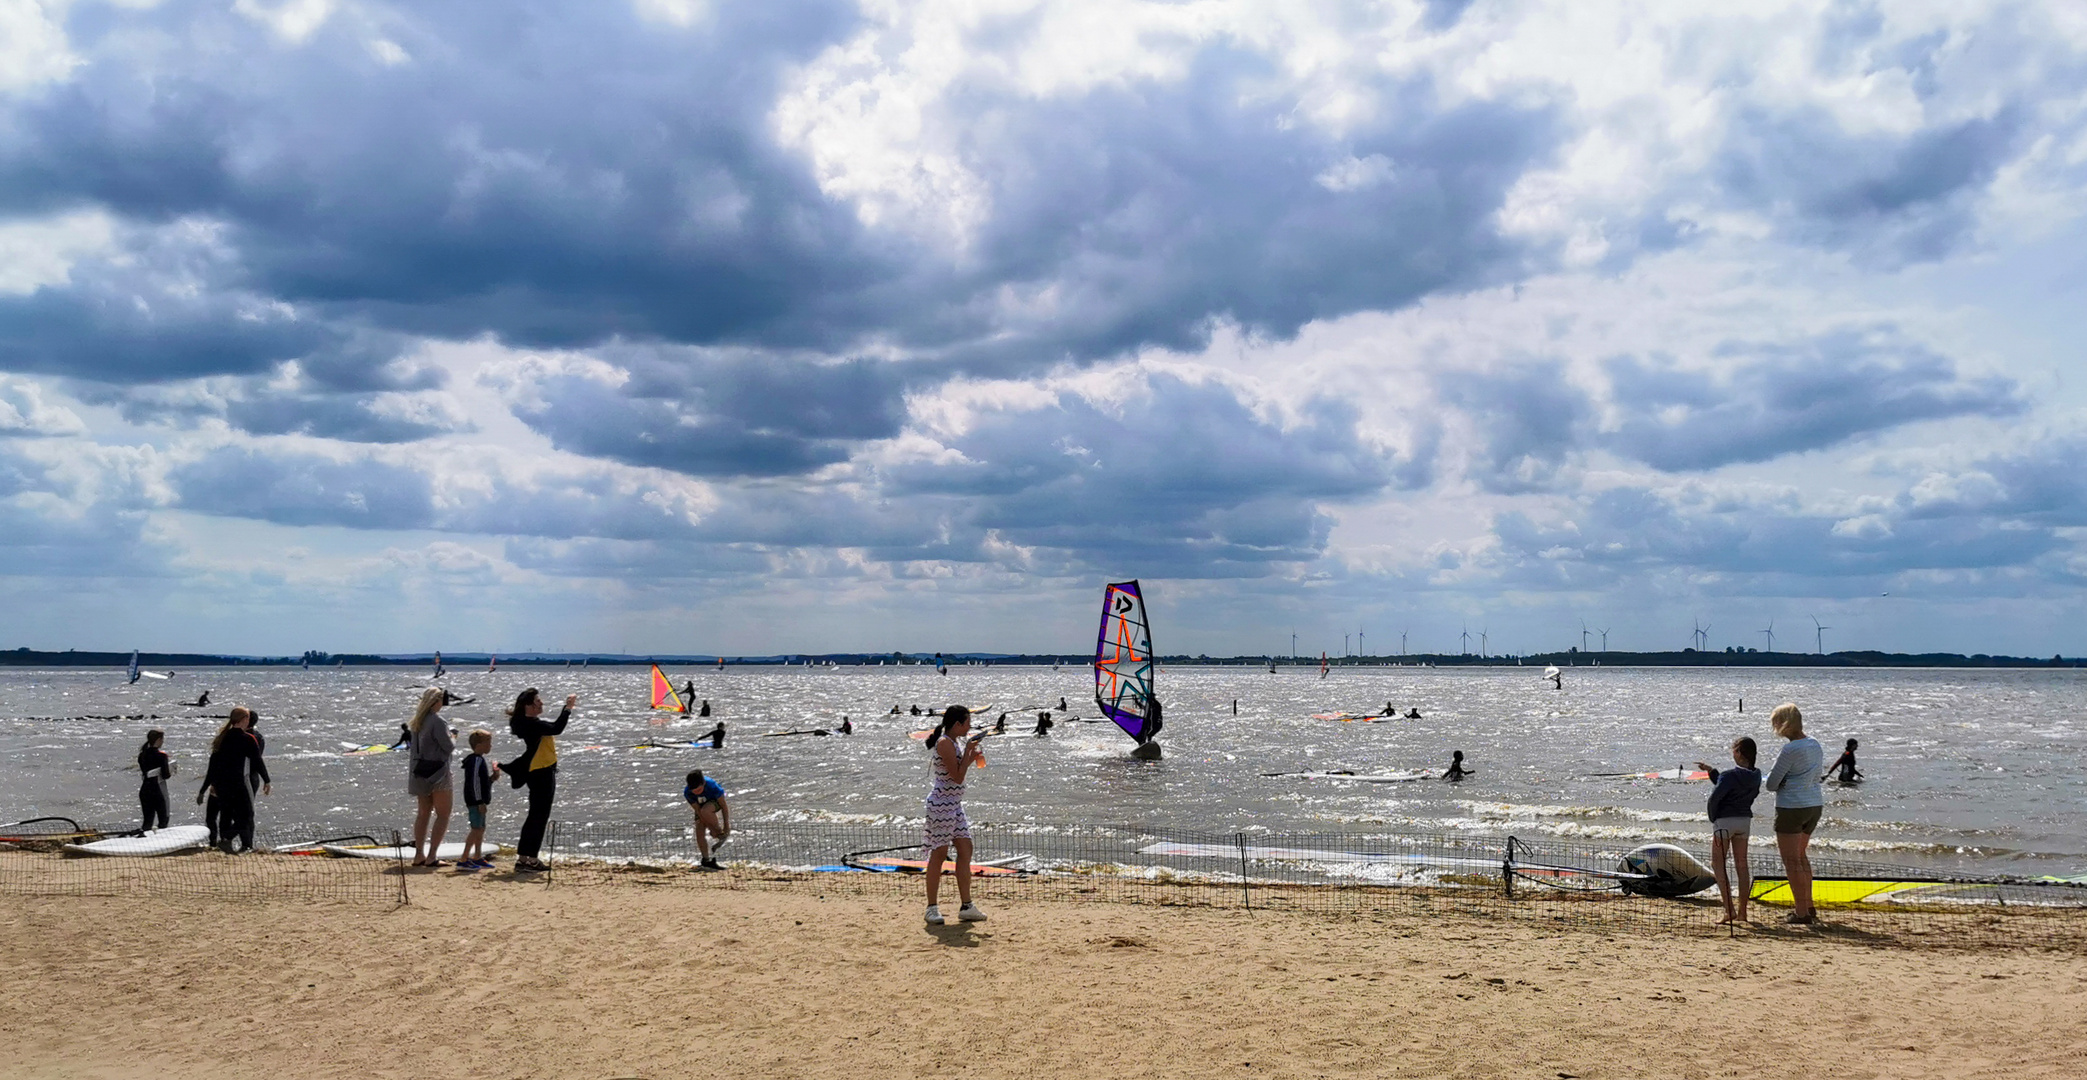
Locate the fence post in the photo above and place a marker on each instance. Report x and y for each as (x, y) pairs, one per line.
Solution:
(552, 842)
(398, 853)
(1507, 869)
(1246, 888)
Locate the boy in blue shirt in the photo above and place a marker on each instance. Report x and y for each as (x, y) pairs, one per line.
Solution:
(713, 815)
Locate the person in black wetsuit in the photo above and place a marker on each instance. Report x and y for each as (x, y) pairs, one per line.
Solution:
(1061, 704)
(232, 754)
(155, 767)
(1845, 766)
(716, 736)
(536, 769)
(202, 699)
(405, 736)
(1000, 726)
(688, 694)
(705, 711)
(1149, 730)
(1043, 725)
(1456, 770)
(253, 727)
(847, 726)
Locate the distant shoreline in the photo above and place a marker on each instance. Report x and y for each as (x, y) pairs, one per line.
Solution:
(26, 657)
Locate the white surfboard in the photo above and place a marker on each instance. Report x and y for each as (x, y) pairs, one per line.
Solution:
(1368, 778)
(157, 842)
(451, 851)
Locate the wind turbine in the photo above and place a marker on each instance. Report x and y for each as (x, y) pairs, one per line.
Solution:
(1481, 644)
(1771, 635)
(1293, 644)
(1604, 632)
(1583, 635)
(1819, 634)
(1466, 636)
(1344, 644)
(1360, 648)
(1702, 636)
(1402, 643)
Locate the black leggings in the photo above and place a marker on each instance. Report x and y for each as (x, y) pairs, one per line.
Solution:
(153, 798)
(543, 787)
(235, 818)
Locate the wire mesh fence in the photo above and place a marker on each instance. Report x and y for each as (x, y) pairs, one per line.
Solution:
(1554, 882)
(59, 858)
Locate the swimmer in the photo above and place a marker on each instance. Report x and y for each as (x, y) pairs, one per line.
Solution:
(1412, 714)
(1845, 765)
(916, 710)
(1456, 770)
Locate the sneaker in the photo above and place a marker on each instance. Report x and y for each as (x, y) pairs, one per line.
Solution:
(711, 864)
(970, 913)
(934, 915)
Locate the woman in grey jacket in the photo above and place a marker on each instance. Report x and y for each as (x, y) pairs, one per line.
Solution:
(428, 778)
(1798, 804)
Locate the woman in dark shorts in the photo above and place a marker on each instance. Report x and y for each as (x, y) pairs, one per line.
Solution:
(1799, 800)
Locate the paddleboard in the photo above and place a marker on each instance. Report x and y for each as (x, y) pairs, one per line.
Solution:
(1348, 718)
(368, 748)
(1365, 778)
(157, 842)
(704, 745)
(450, 851)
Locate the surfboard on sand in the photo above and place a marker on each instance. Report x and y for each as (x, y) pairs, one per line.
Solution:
(157, 842)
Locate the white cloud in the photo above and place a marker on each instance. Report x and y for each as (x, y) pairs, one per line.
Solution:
(36, 252)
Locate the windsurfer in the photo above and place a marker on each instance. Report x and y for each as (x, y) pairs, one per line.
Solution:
(1150, 729)
(1000, 725)
(688, 694)
(202, 699)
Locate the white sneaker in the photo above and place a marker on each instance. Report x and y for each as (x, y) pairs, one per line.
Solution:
(970, 913)
(935, 915)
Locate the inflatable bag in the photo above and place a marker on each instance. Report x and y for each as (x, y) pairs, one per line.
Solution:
(1668, 871)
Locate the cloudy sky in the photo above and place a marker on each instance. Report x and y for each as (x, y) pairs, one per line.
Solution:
(674, 325)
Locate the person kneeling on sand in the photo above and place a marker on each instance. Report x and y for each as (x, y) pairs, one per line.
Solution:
(713, 815)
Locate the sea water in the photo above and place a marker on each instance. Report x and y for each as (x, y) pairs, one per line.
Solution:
(1968, 768)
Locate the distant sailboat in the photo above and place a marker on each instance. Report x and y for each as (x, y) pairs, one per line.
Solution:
(439, 672)
(491, 663)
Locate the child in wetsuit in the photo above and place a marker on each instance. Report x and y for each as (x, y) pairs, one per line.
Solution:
(713, 814)
(1456, 770)
(1845, 765)
(478, 795)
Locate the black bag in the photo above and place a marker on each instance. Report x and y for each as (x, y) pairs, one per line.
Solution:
(426, 768)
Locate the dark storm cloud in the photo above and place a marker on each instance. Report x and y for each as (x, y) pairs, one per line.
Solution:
(300, 489)
(1527, 418)
(1182, 476)
(734, 416)
(1763, 401)
(1622, 531)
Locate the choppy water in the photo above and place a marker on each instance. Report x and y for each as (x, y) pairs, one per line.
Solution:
(1974, 768)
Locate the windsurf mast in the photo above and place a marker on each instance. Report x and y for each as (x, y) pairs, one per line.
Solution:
(1123, 664)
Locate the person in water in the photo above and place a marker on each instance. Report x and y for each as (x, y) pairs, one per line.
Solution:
(894, 710)
(1062, 706)
(713, 815)
(1149, 730)
(428, 777)
(1043, 725)
(716, 736)
(705, 710)
(405, 736)
(688, 695)
(947, 828)
(1456, 770)
(1799, 801)
(1413, 714)
(1000, 726)
(202, 699)
(536, 769)
(1731, 812)
(916, 710)
(847, 726)
(1845, 765)
(155, 767)
(232, 754)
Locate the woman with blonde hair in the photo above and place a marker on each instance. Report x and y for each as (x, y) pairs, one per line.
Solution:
(1799, 800)
(429, 780)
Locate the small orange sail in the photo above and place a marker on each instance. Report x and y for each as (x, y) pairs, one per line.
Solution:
(663, 695)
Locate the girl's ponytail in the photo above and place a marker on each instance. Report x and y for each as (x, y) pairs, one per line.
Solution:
(951, 717)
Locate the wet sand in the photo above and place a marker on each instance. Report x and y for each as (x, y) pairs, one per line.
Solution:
(493, 978)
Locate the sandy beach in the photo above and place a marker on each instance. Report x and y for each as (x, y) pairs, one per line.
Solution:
(488, 977)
